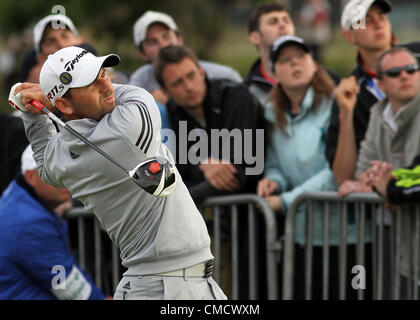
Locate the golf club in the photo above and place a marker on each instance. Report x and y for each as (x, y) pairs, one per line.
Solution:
(155, 175)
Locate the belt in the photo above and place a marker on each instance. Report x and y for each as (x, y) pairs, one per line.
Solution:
(203, 270)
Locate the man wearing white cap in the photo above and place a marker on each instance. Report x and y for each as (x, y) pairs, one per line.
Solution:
(153, 31)
(34, 246)
(50, 34)
(365, 24)
(47, 40)
(164, 242)
(53, 33)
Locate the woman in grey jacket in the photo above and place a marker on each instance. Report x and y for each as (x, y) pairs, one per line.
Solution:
(299, 113)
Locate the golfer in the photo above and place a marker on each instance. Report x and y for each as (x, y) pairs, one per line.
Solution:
(164, 242)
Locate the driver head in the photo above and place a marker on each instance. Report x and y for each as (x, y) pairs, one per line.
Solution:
(156, 176)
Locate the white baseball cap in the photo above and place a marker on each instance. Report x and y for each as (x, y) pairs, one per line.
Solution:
(283, 42)
(27, 160)
(71, 67)
(143, 23)
(356, 10)
(57, 19)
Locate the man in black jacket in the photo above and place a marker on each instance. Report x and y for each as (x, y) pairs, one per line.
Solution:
(219, 135)
(211, 110)
(348, 125)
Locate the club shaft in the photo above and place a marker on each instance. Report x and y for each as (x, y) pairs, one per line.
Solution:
(57, 120)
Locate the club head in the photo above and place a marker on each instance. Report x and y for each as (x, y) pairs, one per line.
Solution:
(155, 175)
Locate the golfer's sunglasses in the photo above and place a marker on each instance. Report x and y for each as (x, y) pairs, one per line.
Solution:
(395, 72)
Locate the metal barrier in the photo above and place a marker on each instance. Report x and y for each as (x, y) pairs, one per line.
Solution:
(256, 205)
(95, 251)
(106, 276)
(404, 229)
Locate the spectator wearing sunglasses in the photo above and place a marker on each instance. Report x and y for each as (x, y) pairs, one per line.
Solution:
(348, 126)
(392, 137)
(393, 131)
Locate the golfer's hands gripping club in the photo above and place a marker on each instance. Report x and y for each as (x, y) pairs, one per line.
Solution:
(22, 95)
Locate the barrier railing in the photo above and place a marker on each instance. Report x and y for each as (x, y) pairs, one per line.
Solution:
(370, 213)
(256, 205)
(95, 251)
(94, 254)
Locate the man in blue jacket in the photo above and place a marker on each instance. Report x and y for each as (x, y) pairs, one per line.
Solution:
(35, 262)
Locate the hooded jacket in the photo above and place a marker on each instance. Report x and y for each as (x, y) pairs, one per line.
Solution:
(296, 161)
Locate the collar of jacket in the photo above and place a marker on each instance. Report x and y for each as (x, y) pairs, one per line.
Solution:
(360, 73)
(305, 106)
(255, 76)
(212, 102)
(405, 114)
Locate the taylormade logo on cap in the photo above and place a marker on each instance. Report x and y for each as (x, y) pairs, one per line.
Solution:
(71, 67)
(65, 77)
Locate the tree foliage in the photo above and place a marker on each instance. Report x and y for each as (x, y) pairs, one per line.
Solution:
(201, 22)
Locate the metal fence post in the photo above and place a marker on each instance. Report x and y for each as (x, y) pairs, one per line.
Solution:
(270, 232)
(360, 201)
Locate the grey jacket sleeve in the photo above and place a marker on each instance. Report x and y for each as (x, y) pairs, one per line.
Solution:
(138, 117)
(144, 77)
(219, 71)
(368, 149)
(39, 130)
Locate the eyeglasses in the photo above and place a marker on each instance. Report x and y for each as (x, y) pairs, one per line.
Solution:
(395, 72)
